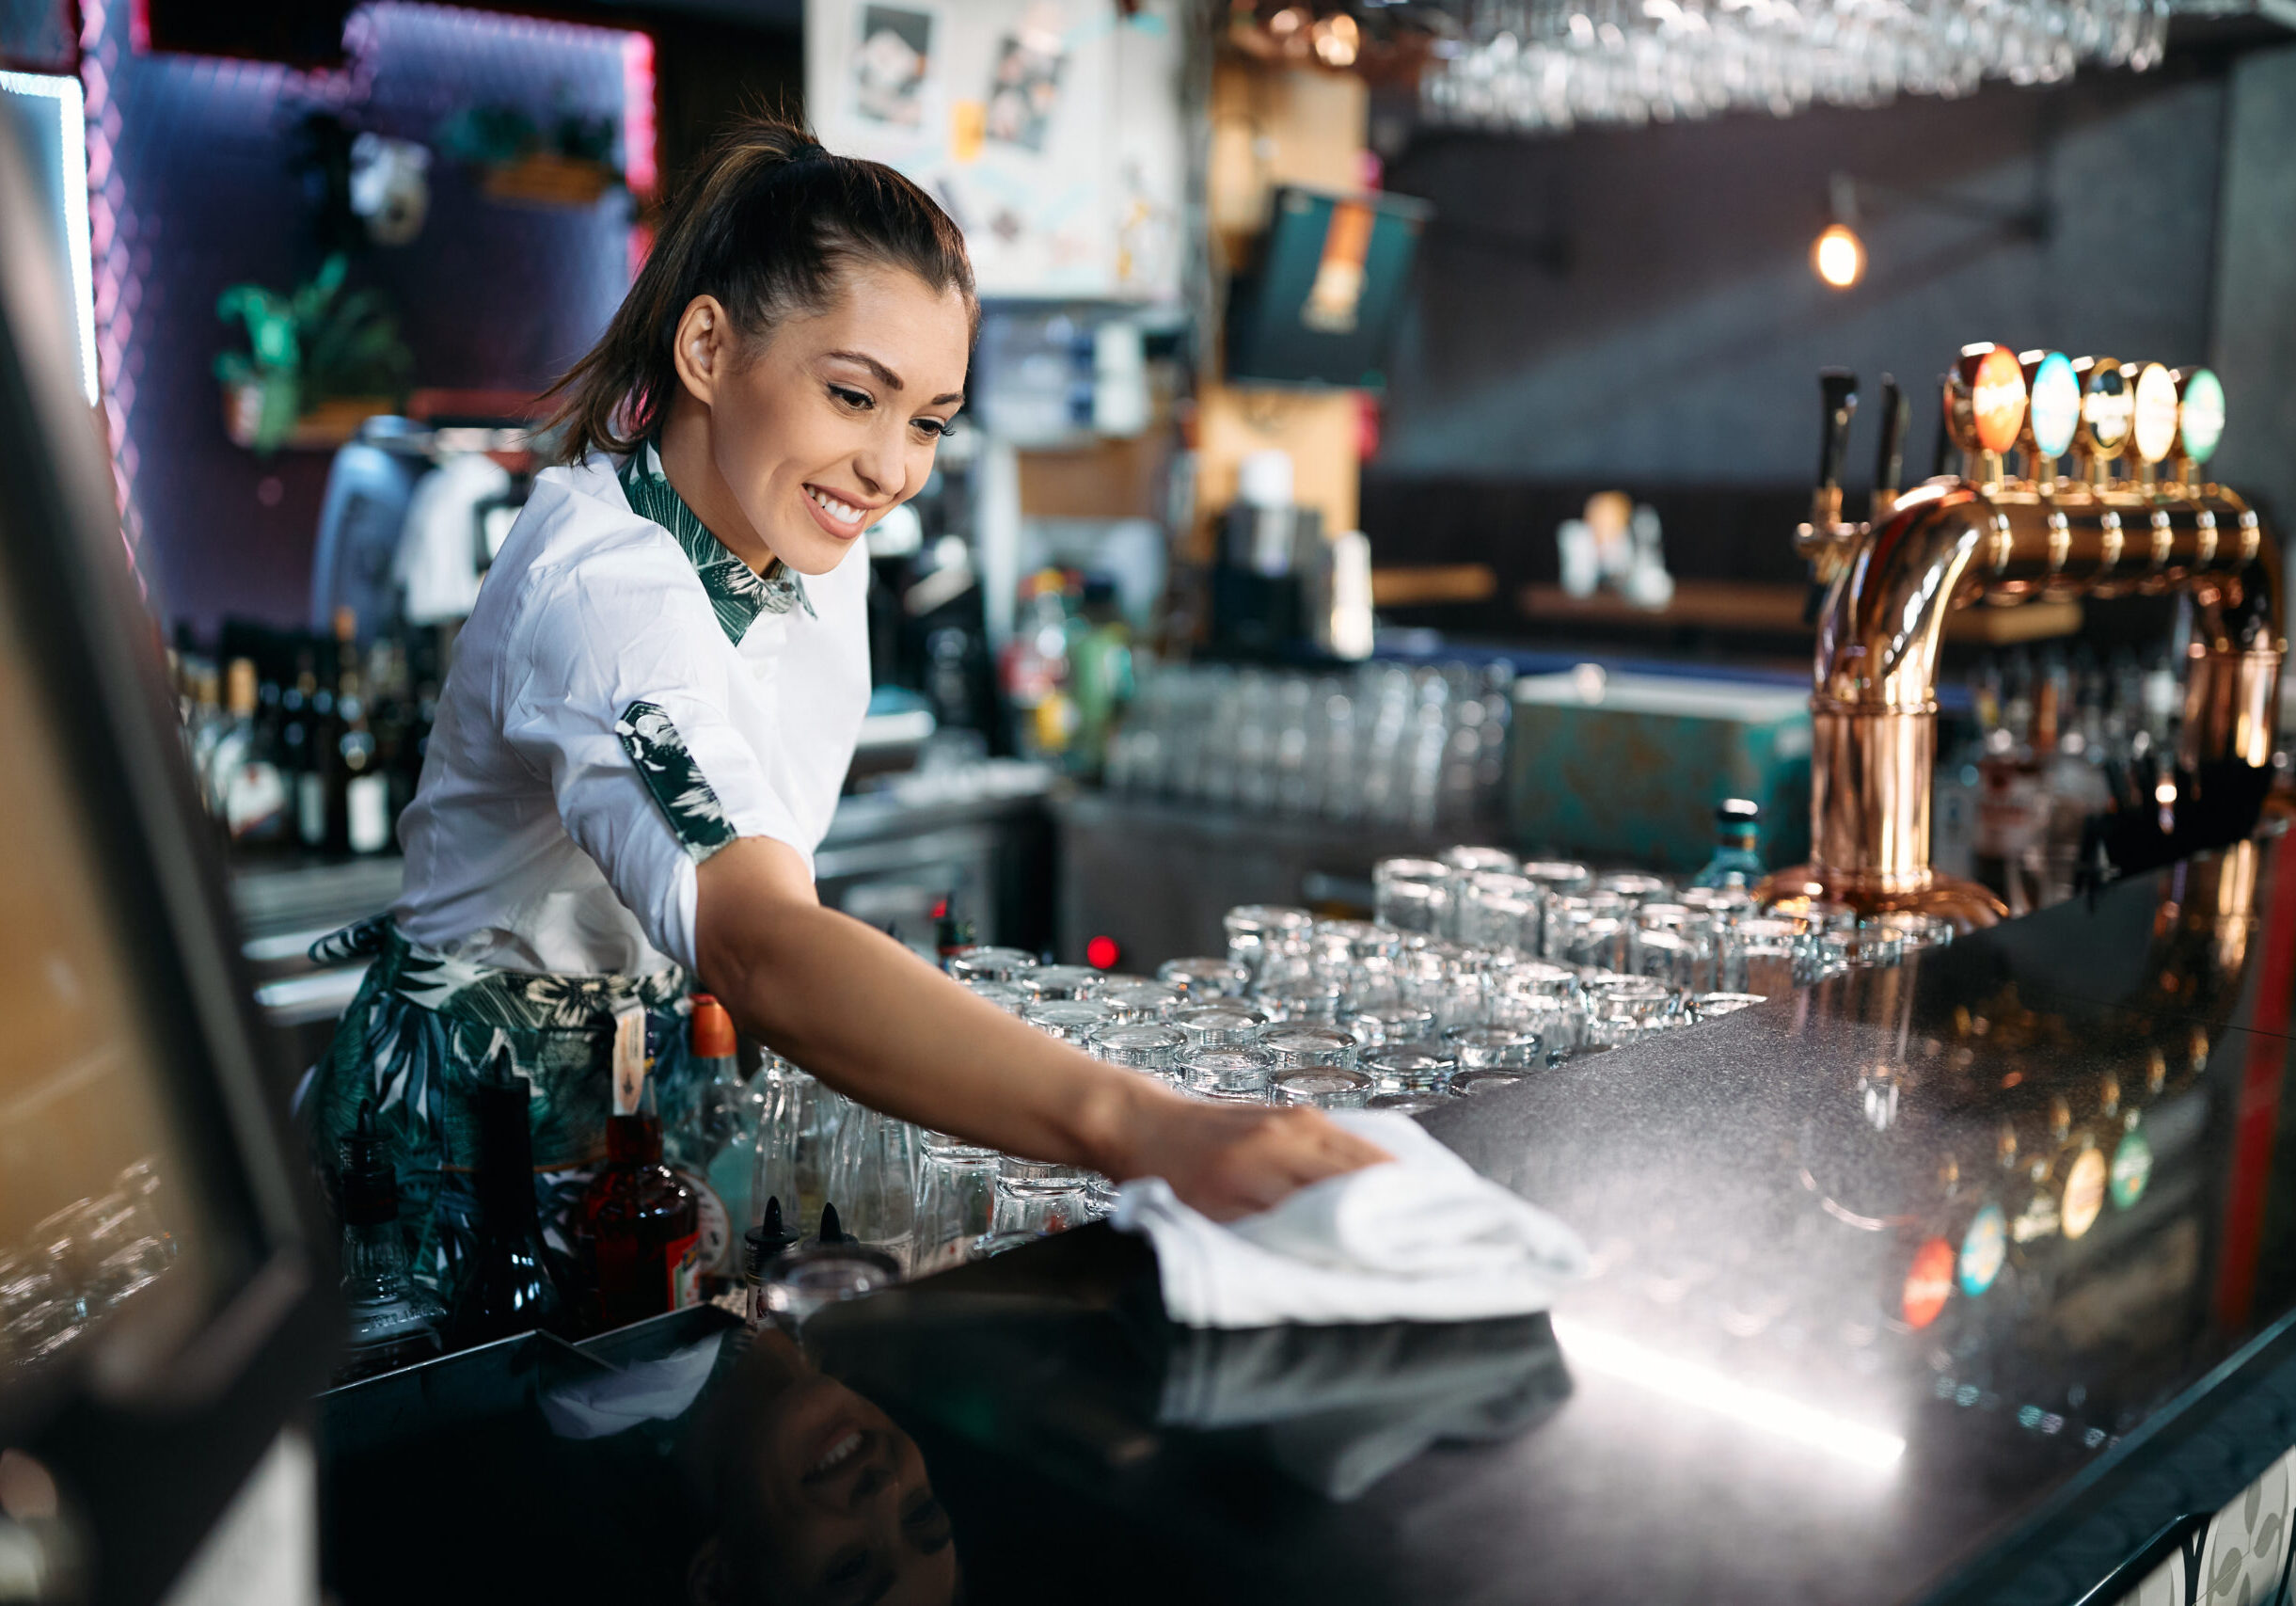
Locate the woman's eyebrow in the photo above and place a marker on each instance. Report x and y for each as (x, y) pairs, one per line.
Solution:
(888, 378)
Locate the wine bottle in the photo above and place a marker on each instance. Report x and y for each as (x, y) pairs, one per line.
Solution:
(507, 1289)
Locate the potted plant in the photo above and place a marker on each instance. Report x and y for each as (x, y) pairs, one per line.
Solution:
(319, 360)
(568, 162)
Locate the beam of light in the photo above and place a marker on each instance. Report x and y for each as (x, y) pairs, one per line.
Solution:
(1691, 1383)
(72, 115)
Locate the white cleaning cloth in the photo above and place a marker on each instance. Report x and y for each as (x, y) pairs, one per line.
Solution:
(1421, 1240)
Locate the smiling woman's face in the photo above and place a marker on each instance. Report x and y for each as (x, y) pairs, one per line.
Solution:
(792, 447)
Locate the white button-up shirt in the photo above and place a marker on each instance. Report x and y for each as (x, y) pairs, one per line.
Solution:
(619, 708)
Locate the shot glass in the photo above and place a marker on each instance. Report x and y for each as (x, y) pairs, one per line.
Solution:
(1393, 1026)
(1295, 1047)
(1146, 1046)
(1062, 981)
(1148, 1000)
(1410, 895)
(1203, 978)
(990, 963)
(1226, 1073)
(799, 1282)
(1714, 1006)
(1761, 954)
(1323, 1086)
(1228, 1025)
(1071, 1020)
(1267, 939)
(1496, 1048)
(1421, 1070)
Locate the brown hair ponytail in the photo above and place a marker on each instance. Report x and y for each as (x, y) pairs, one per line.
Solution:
(767, 226)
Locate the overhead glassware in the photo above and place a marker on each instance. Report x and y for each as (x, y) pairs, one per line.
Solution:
(1540, 65)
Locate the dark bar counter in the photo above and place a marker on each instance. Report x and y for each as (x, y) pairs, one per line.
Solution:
(1967, 1281)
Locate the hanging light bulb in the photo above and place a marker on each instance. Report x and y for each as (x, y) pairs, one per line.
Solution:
(1839, 256)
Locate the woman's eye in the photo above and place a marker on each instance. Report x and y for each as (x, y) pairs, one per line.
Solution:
(933, 429)
(851, 398)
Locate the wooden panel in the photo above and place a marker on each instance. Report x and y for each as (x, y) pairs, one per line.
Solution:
(1776, 610)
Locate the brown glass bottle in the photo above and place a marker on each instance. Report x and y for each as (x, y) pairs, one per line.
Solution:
(638, 1229)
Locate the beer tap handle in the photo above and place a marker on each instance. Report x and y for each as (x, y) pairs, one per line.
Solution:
(1821, 540)
(1889, 460)
(1839, 387)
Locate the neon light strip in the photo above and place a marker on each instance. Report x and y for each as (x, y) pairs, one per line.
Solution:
(71, 115)
(1690, 1384)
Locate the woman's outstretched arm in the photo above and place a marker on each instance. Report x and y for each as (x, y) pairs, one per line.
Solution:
(881, 1025)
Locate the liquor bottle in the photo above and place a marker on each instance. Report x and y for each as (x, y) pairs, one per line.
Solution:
(714, 1152)
(358, 793)
(507, 1288)
(394, 1322)
(638, 1229)
(317, 781)
(1738, 825)
(760, 1246)
(243, 784)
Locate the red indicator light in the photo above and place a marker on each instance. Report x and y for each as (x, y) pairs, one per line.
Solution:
(1929, 1283)
(1101, 953)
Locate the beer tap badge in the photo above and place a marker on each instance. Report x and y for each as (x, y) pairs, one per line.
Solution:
(2155, 426)
(2200, 413)
(2105, 406)
(1996, 396)
(2054, 410)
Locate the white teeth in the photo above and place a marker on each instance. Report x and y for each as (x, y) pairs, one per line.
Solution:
(839, 1453)
(835, 509)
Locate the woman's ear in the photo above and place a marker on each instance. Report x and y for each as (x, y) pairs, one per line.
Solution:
(703, 347)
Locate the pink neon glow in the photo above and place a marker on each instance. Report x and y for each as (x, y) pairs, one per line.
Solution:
(639, 170)
(111, 258)
(638, 113)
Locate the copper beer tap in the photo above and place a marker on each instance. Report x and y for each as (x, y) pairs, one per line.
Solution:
(1986, 539)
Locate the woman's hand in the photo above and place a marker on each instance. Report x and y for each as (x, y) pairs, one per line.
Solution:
(1229, 1161)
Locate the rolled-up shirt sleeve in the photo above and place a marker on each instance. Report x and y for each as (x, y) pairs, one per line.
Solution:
(615, 691)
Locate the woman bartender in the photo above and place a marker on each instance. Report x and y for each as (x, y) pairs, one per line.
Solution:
(650, 716)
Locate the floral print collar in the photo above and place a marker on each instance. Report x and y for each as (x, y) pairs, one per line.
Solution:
(738, 594)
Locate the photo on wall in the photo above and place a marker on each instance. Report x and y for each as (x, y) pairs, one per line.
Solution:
(1024, 90)
(893, 65)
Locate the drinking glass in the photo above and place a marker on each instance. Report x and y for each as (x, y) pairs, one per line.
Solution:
(799, 1282)
(1146, 1046)
(1714, 1006)
(1868, 947)
(1231, 1074)
(1223, 1025)
(1558, 878)
(873, 1181)
(1036, 1212)
(1410, 1104)
(1293, 1047)
(1059, 981)
(1410, 895)
(955, 1209)
(1204, 978)
(1267, 940)
(1323, 1086)
(1467, 1084)
(1499, 911)
(1634, 887)
(1725, 903)
(1302, 997)
(1394, 1025)
(1030, 1179)
(1416, 1070)
(990, 963)
(1009, 997)
(1761, 954)
(1496, 1048)
(1624, 1008)
(1071, 1020)
(1814, 913)
(1674, 944)
(1148, 1000)
(1353, 948)
(1916, 931)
